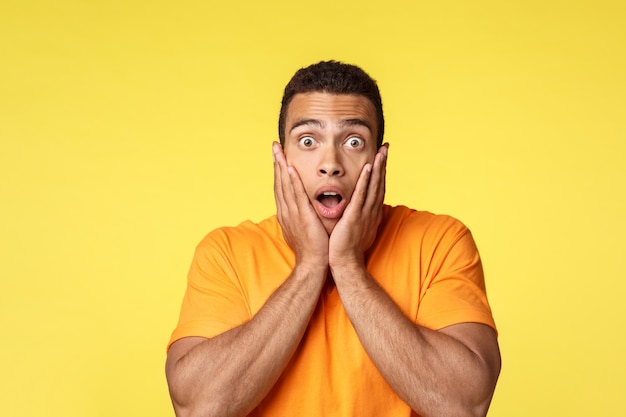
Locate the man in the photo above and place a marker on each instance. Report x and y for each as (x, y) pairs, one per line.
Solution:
(339, 305)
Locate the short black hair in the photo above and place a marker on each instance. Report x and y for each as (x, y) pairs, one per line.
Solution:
(336, 78)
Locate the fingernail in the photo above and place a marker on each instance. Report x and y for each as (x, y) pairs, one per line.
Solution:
(275, 150)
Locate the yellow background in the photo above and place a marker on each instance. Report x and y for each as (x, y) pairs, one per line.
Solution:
(128, 130)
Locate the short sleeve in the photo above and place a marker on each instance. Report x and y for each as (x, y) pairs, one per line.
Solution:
(214, 301)
(454, 289)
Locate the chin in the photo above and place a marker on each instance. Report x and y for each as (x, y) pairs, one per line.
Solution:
(329, 225)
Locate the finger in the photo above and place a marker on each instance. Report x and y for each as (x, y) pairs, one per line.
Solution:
(275, 150)
(305, 208)
(299, 191)
(360, 190)
(294, 194)
(277, 180)
(376, 186)
(282, 186)
(284, 177)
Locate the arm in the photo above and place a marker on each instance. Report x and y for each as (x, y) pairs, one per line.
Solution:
(228, 375)
(451, 372)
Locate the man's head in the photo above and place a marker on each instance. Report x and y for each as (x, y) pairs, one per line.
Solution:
(335, 78)
(331, 126)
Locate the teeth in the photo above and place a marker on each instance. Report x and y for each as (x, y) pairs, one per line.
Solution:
(330, 193)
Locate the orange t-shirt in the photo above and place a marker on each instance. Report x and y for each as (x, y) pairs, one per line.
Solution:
(428, 264)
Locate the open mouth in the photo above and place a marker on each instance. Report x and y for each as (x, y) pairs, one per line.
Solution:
(329, 199)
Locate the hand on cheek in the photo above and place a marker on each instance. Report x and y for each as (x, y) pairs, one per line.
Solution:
(356, 230)
(302, 229)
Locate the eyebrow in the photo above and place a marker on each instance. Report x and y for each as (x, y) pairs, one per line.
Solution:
(305, 122)
(342, 123)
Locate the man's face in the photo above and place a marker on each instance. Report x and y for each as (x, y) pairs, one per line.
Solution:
(328, 140)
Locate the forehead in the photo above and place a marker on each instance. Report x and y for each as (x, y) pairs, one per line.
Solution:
(330, 108)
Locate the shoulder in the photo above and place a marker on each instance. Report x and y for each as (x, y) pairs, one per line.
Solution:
(402, 221)
(433, 236)
(246, 234)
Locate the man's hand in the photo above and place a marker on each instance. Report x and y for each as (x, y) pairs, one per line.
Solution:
(302, 229)
(230, 374)
(356, 230)
(459, 363)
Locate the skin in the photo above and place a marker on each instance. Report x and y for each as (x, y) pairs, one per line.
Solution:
(330, 144)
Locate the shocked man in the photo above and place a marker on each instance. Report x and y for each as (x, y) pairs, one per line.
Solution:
(339, 305)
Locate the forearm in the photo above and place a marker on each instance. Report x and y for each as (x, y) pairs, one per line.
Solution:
(228, 375)
(434, 372)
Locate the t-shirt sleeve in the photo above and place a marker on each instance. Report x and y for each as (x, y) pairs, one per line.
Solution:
(454, 289)
(214, 301)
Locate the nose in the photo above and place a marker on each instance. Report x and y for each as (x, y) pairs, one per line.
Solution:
(330, 163)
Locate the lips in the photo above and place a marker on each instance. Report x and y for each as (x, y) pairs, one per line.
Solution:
(330, 202)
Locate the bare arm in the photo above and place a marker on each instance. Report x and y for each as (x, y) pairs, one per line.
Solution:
(228, 375)
(451, 372)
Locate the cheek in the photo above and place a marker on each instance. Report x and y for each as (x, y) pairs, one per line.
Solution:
(303, 168)
(300, 164)
(354, 172)
(363, 157)
(359, 163)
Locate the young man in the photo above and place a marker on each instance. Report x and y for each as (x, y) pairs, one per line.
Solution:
(339, 305)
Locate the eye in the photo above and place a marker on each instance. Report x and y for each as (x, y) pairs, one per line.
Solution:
(355, 142)
(307, 142)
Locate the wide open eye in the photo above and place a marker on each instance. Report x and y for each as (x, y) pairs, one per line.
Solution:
(307, 142)
(355, 142)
